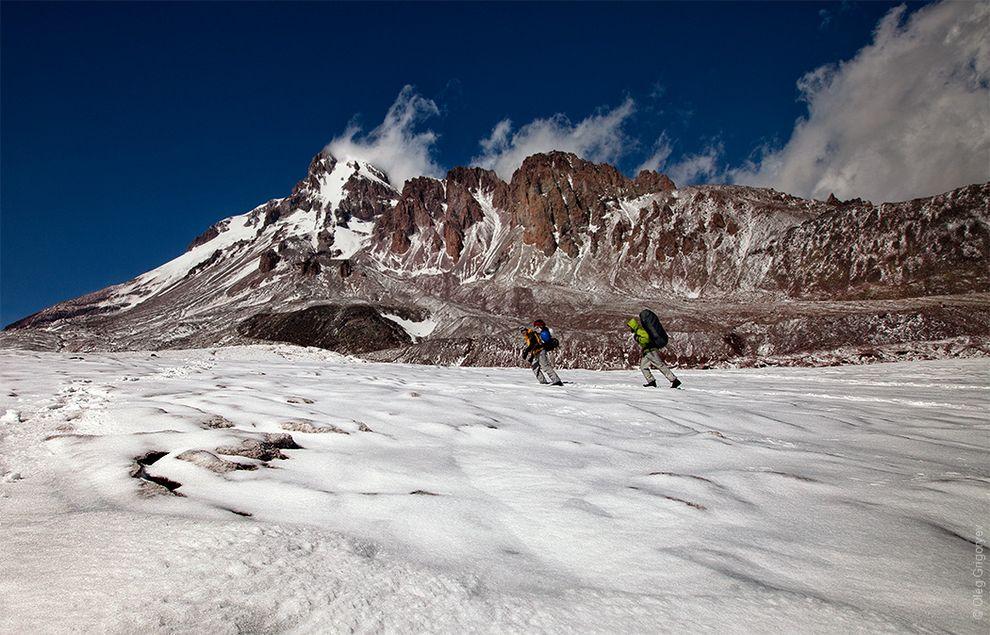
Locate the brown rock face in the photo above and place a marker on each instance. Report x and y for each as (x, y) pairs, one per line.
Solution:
(267, 261)
(651, 182)
(463, 209)
(321, 164)
(481, 180)
(422, 198)
(556, 196)
(928, 246)
(214, 257)
(442, 211)
(304, 194)
(366, 199)
(203, 238)
(309, 268)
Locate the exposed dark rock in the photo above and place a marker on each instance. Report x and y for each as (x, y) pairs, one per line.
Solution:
(556, 196)
(215, 422)
(310, 267)
(440, 211)
(651, 182)
(152, 484)
(311, 428)
(150, 458)
(268, 261)
(204, 238)
(349, 329)
(212, 462)
(422, 199)
(214, 257)
(267, 448)
(366, 199)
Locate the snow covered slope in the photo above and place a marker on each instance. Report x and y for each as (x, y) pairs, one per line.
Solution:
(158, 491)
(333, 209)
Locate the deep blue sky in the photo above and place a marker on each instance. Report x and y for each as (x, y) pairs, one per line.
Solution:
(127, 129)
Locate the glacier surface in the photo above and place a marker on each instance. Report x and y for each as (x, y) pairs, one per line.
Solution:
(415, 498)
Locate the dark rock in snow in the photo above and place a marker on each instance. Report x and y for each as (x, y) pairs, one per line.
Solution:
(212, 462)
(311, 428)
(204, 238)
(217, 422)
(268, 261)
(267, 448)
(349, 329)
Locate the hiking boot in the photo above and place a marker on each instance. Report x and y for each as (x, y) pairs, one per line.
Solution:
(650, 384)
(676, 383)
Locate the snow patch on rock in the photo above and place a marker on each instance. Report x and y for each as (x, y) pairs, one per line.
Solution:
(416, 329)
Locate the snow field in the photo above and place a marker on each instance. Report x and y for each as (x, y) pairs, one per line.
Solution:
(449, 499)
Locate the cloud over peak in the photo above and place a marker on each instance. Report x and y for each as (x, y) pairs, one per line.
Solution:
(598, 137)
(702, 166)
(908, 116)
(395, 146)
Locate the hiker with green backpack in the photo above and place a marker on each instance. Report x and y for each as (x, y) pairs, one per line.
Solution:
(651, 337)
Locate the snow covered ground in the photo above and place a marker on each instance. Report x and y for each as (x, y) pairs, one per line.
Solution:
(452, 499)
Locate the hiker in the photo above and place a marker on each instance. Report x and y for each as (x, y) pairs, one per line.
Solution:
(539, 340)
(651, 338)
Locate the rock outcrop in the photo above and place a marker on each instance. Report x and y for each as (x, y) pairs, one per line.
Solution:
(348, 329)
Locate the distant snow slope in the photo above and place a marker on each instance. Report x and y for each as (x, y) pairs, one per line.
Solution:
(458, 499)
(310, 214)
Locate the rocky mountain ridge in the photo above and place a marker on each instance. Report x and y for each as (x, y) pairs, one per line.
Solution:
(742, 275)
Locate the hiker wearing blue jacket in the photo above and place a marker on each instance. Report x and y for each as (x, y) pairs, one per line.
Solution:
(539, 341)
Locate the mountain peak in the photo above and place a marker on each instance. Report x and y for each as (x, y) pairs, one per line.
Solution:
(322, 163)
(648, 181)
(325, 163)
(566, 238)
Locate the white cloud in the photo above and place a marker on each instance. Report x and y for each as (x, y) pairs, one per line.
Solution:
(662, 150)
(598, 137)
(395, 145)
(825, 17)
(908, 116)
(702, 167)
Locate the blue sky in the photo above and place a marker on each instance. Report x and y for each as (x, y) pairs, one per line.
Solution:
(127, 129)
